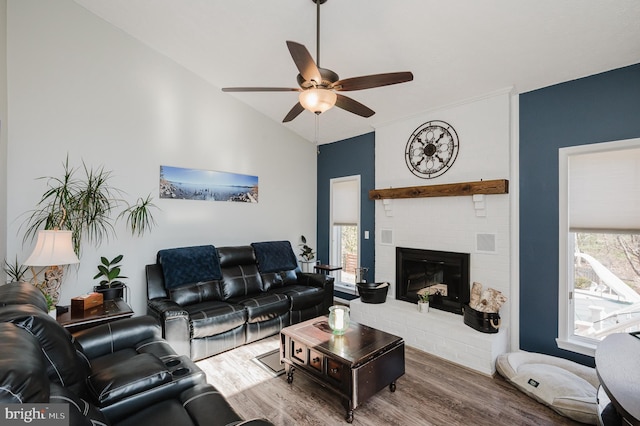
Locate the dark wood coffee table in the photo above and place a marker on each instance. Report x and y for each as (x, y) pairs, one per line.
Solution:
(355, 365)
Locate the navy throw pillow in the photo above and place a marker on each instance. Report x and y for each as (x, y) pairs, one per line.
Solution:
(189, 265)
(275, 256)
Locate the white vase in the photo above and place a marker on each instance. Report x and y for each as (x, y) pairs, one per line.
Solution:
(53, 313)
(306, 266)
(423, 307)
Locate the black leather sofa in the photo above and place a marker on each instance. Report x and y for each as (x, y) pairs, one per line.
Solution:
(209, 300)
(121, 373)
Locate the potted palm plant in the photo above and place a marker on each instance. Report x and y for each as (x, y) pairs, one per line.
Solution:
(83, 201)
(88, 206)
(109, 271)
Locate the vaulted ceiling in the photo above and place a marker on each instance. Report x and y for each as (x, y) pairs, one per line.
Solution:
(456, 50)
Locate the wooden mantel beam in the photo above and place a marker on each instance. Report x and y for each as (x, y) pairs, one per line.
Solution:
(497, 186)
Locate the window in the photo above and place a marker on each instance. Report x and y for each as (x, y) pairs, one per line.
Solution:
(599, 243)
(345, 223)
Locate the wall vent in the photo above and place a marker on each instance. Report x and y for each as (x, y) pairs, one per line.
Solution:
(386, 236)
(486, 243)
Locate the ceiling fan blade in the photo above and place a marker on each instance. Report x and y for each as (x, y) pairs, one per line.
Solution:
(305, 63)
(353, 106)
(371, 81)
(295, 111)
(260, 89)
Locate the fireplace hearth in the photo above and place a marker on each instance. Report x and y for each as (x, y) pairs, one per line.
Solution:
(444, 274)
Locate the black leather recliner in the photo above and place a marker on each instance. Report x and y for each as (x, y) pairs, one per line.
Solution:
(121, 373)
(209, 300)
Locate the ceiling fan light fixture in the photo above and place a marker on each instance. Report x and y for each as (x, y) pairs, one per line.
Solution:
(317, 100)
(318, 86)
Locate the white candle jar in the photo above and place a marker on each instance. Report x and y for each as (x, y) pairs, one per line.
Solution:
(339, 319)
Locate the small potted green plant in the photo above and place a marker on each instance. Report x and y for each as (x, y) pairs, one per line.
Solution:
(423, 301)
(15, 271)
(109, 271)
(51, 305)
(306, 253)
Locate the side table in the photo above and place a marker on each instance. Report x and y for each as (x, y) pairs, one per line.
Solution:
(325, 269)
(110, 310)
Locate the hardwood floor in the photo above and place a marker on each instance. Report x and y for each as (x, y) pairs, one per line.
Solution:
(432, 392)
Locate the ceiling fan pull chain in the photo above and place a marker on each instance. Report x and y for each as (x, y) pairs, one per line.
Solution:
(317, 131)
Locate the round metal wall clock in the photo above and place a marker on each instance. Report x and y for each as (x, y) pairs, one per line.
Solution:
(432, 149)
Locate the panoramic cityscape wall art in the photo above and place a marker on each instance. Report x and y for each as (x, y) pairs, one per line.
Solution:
(194, 184)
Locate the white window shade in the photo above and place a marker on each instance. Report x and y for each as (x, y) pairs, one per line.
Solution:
(604, 191)
(345, 202)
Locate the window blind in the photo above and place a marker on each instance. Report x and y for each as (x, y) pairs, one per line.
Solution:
(344, 202)
(604, 191)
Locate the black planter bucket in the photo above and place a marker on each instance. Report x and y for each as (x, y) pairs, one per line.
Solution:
(373, 292)
(110, 293)
(485, 322)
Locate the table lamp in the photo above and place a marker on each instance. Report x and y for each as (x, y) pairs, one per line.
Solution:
(54, 248)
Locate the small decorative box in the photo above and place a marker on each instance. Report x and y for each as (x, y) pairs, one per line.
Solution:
(86, 301)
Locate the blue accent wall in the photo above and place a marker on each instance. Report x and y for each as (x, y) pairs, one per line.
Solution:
(599, 108)
(349, 157)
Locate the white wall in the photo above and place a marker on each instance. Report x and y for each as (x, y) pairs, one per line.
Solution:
(77, 85)
(450, 223)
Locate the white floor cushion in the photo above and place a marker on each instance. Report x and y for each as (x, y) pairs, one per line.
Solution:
(567, 387)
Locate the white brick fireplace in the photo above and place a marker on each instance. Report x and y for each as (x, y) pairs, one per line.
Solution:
(457, 224)
(436, 332)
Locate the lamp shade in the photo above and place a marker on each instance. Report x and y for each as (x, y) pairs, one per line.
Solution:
(53, 248)
(317, 100)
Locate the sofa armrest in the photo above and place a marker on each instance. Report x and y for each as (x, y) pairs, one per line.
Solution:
(204, 402)
(165, 309)
(114, 336)
(174, 320)
(315, 280)
(319, 280)
(121, 380)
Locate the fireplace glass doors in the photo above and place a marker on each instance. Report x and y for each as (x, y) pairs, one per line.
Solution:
(443, 274)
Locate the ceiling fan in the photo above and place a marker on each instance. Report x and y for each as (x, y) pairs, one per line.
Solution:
(318, 86)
